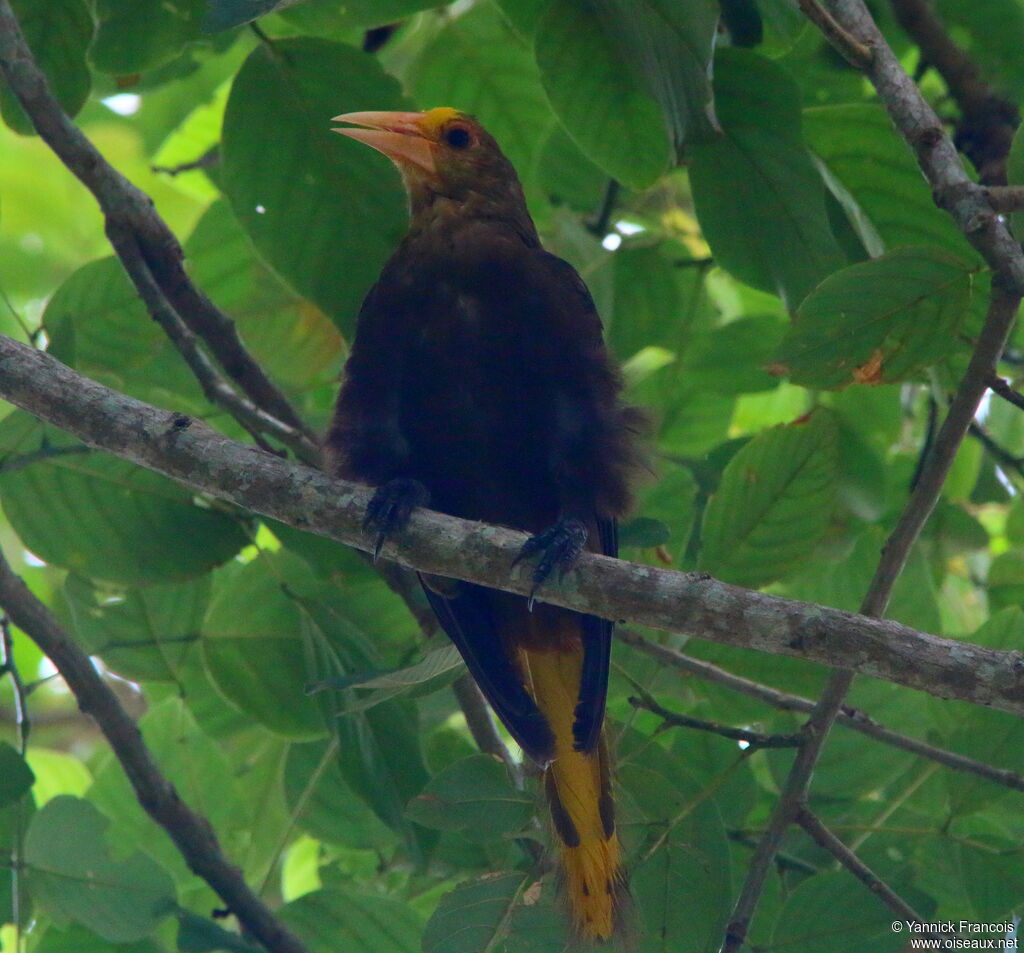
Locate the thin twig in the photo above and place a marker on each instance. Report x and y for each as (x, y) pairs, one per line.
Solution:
(755, 739)
(1003, 389)
(127, 208)
(191, 832)
(607, 210)
(825, 839)
(207, 160)
(1003, 458)
(848, 717)
(217, 390)
(857, 54)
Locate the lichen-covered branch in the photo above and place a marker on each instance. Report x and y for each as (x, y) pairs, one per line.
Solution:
(688, 603)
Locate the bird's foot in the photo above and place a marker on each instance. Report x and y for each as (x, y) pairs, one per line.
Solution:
(559, 547)
(391, 507)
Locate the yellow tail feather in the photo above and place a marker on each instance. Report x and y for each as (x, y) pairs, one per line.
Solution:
(579, 793)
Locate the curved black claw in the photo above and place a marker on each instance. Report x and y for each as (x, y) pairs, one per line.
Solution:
(391, 506)
(559, 546)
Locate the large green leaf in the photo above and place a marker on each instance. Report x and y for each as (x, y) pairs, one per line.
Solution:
(292, 339)
(133, 36)
(130, 526)
(878, 322)
(200, 773)
(475, 797)
(321, 801)
(338, 918)
(324, 210)
(255, 649)
(57, 33)
(77, 939)
(760, 202)
(681, 878)
(72, 874)
(773, 503)
(475, 915)
(873, 173)
(831, 911)
(497, 81)
(97, 324)
(600, 99)
(142, 634)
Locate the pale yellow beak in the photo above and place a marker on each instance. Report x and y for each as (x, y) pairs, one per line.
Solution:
(400, 136)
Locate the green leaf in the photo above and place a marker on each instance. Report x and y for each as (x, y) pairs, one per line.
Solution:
(132, 37)
(474, 916)
(760, 202)
(437, 669)
(256, 652)
(97, 324)
(324, 210)
(198, 935)
(474, 796)
(323, 803)
(292, 339)
(225, 14)
(497, 81)
(773, 503)
(131, 526)
(142, 634)
(828, 911)
(72, 874)
(58, 33)
(341, 919)
(734, 359)
(682, 878)
(670, 47)
(199, 771)
(878, 322)
(855, 142)
(16, 777)
(77, 939)
(602, 103)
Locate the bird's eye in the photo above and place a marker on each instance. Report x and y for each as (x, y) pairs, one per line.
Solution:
(457, 137)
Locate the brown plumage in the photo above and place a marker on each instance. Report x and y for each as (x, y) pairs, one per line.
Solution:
(478, 383)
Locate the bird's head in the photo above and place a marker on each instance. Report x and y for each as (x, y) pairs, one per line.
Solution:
(441, 154)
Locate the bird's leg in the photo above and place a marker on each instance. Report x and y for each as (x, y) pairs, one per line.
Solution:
(391, 507)
(559, 546)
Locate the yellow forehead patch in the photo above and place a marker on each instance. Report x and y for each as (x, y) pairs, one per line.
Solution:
(434, 119)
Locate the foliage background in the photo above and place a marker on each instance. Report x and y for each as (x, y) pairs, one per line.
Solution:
(794, 265)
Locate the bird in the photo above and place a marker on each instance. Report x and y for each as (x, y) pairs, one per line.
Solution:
(478, 384)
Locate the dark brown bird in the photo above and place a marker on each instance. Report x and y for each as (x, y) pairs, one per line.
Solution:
(478, 383)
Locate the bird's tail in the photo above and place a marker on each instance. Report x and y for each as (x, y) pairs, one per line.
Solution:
(578, 786)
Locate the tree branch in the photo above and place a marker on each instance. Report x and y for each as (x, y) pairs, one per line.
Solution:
(130, 211)
(848, 717)
(191, 833)
(825, 839)
(755, 739)
(688, 603)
